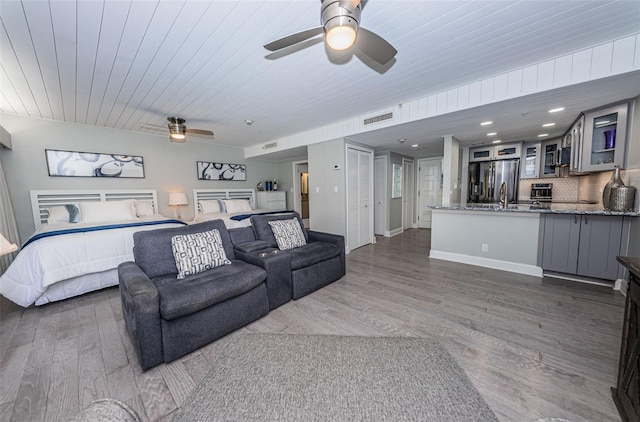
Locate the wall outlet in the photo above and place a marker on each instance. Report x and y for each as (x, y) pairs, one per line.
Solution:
(485, 247)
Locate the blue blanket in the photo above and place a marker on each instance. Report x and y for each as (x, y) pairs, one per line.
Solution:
(98, 228)
(245, 216)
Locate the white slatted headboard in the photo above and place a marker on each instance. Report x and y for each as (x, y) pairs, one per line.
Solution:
(43, 199)
(208, 194)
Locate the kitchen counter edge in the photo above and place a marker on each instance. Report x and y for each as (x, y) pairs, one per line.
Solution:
(579, 210)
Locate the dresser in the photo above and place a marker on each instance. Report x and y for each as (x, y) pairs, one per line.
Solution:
(272, 200)
(626, 393)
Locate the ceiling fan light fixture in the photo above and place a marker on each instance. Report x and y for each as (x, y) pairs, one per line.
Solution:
(341, 37)
(177, 132)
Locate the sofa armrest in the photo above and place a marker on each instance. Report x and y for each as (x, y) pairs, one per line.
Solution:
(277, 264)
(141, 312)
(252, 246)
(335, 239)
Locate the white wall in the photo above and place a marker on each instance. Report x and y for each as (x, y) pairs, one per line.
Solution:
(327, 208)
(451, 171)
(169, 167)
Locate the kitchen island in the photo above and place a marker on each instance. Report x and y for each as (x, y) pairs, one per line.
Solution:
(534, 240)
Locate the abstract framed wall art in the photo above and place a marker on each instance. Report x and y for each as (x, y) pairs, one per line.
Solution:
(93, 164)
(220, 171)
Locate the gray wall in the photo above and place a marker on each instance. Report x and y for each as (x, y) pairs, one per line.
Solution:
(327, 208)
(169, 167)
(464, 233)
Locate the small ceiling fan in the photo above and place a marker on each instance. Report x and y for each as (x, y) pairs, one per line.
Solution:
(178, 130)
(341, 26)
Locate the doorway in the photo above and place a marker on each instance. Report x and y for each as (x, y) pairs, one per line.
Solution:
(429, 189)
(359, 197)
(380, 196)
(301, 190)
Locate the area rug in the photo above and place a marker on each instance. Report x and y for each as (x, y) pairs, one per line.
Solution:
(277, 377)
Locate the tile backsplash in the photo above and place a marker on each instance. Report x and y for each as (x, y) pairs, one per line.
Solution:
(582, 188)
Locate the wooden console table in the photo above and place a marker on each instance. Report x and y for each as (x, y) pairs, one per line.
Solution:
(626, 393)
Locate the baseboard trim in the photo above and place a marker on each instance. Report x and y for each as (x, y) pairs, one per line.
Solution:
(394, 232)
(622, 285)
(513, 267)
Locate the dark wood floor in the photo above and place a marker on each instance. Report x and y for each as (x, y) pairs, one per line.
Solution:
(533, 347)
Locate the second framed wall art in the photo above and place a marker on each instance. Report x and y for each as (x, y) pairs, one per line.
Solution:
(221, 171)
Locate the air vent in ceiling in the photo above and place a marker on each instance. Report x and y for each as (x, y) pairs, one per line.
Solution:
(271, 145)
(378, 118)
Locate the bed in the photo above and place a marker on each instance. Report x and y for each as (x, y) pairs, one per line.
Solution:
(62, 258)
(233, 206)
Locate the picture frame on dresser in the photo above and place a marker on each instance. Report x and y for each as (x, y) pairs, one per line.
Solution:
(221, 171)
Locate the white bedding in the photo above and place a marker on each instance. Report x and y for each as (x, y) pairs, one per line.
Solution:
(226, 217)
(49, 260)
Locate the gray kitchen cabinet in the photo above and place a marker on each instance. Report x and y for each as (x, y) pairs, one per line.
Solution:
(530, 161)
(604, 138)
(584, 245)
(561, 241)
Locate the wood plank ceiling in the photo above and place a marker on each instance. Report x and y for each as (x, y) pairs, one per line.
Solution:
(128, 64)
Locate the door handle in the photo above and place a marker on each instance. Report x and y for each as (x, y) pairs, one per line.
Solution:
(586, 220)
(575, 219)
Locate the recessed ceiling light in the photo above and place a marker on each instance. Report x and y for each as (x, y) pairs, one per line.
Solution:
(548, 124)
(485, 123)
(414, 146)
(542, 135)
(492, 134)
(497, 141)
(248, 122)
(401, 140)
(556, 110)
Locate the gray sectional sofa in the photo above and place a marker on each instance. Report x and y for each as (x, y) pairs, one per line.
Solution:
(167, 317)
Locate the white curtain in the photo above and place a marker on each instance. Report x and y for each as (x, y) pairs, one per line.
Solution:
(8, 226)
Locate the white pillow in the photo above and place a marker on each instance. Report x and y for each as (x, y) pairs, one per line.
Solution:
(237, 205)
(97, 212)
(68, 213)
(144, 208)
(288, 233)
(209, 206)
(198, 252)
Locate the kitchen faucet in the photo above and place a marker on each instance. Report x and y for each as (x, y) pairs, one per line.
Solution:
(504, 195)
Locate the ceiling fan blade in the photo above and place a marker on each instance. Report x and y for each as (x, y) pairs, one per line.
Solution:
(350, 5)
(375, 46)
(200, 132)
(293, 39)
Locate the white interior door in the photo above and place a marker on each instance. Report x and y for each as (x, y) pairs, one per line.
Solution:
(430, 189)
(359, 197)
(380, 195)
(408, 188)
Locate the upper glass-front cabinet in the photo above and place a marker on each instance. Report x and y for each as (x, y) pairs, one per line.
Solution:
(605, 136)
(530, 162)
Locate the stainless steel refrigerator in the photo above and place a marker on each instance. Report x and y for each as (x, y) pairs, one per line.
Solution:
(486, 177)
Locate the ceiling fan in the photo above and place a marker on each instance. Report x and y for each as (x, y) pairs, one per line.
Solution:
(178, 131)
(341, 26)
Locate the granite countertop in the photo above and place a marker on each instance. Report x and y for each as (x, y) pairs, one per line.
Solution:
(631, 263)
(554, 208)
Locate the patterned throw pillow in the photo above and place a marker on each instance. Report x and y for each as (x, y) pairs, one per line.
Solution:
(288, 233)
(198, 252)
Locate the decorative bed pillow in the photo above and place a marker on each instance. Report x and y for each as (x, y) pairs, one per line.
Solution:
(288, 233)
(198, 252)
(68, 213)
(99, 212)
(144, 208)
(237, 205)
(208, 206)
